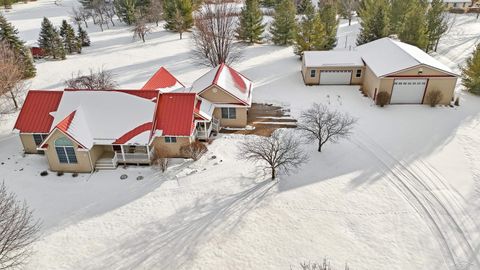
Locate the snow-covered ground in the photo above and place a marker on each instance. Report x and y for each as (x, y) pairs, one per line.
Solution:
(403, 193)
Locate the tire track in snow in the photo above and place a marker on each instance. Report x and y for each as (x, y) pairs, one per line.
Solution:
(455, 244)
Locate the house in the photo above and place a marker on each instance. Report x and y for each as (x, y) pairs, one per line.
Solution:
(85, 130)
(407, 73)
(457, 3)
(229, 91)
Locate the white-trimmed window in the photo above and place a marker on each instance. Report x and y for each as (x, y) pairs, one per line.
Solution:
(359, 73)
(229, 113)
(65, 151)
(313, 73)
(39, 138)
(170, 139)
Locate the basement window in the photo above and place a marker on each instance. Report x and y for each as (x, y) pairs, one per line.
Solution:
(313, 73)
(170, 139)
(39, 138)
(359, 73)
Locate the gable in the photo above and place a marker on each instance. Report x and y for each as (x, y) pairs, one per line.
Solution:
(216, 94)
(426, 71)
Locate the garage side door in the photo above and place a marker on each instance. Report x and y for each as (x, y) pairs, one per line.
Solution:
(408, 91)
(335, 76)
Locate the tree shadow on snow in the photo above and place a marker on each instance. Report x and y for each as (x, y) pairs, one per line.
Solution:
(174, 242)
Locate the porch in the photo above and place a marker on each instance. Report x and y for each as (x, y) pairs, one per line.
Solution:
(123, 154)
(204, 129)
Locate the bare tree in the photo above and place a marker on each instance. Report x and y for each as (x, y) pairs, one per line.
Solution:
(348, 8)
(194, 150)
(281, 152)
(18, 230)
(76, 16)
(214, 34)
(11, 74)
(100, 80)
(155, 11)
(160, 159)
(322, 125)
(109, 11)
(141, 29)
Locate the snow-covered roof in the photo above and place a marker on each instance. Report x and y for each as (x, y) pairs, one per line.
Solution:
(204, 108)
(229, 80)
(102, 117)
(386, 56)
(332, 59)
(454, 1)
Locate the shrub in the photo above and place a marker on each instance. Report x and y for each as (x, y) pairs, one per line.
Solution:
(194, 150)
(59, 173)
(74, 174)
(160, 159)
(434, 97)
(44, 173)
(383, 98)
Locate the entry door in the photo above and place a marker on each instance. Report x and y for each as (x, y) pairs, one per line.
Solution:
(335, 76)
(408, 91)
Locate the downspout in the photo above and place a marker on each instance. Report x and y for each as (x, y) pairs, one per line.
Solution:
(91, 162)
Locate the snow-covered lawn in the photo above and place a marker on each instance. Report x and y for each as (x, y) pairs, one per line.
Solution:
(403, 193)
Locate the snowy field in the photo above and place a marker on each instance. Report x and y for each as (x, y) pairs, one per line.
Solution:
(403, 193)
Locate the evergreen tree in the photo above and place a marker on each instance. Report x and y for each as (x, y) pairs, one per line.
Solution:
(82, 36)
(328, 15)
(50, 40)
(7, 4)
(436, 23)
(398, 14)
(269, 3)
(311, 34)
(250, 28)
(70, 41)
(9, 34)
(178, 15)
(374, 20)
(302, 6)
(125, 10)
(471, 72)
(283, 26)
(414, 30)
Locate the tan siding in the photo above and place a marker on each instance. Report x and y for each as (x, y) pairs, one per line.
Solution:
(83, 159)
(28, 143)
(316, 80)
(217, 95)
(444, 85)
(370, 82)
(171, 149)
(386, 84)
(97, 151)
(240, 121)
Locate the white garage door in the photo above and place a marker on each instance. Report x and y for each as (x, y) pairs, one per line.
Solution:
(408, 91)
(335, 76)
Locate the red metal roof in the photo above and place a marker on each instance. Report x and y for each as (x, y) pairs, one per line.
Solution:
(161, 79)
(134, 132)
(239, 82)
(65, 123)
(35, 114)
(175, 114)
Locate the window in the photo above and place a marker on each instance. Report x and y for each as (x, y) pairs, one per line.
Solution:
(359, 73)
(65, 151)
(313, 73)
(170, 139)
(229, 113)
(39, 138)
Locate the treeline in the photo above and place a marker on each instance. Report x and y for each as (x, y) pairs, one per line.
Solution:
(413, 21)
(7, 4)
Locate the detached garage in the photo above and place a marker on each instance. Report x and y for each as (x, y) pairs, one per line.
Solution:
(332, 68)
(404, 71)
